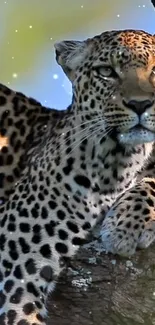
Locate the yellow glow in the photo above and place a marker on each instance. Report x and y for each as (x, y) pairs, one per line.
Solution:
(3, 142)
(40, 25)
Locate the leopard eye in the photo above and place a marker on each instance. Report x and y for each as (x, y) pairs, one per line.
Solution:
(153, 71)
(106, 72)
(152, 76)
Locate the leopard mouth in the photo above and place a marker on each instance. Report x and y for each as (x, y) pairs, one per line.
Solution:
(136, 135)
(139, 128)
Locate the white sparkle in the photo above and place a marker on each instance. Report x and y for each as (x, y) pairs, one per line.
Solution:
(121, 135)
(16, 30)
(63, 134)
(146, 114)
(51, 38)
(45, 101)
(13, 57)
(55, 76)
(30, 26)
(82, 6)
(67, 86)
(139, 6)
(8, 82)
(118, 16)
(15, 75)
(143, 6)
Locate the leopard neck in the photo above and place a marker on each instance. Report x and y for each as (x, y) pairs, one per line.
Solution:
(77, 148)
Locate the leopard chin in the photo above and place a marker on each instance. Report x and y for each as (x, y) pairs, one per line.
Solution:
(136, 135)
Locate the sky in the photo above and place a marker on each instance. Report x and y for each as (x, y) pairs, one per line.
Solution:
(30, 28)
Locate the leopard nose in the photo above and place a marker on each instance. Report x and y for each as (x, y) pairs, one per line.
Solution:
(138, 107)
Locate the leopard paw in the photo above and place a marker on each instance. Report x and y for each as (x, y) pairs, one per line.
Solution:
(130, 223)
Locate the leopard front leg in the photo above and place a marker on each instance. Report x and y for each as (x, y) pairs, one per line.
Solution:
(130, 223)
(33, 252)
(22, 307)
(23, 291)
(26, 281)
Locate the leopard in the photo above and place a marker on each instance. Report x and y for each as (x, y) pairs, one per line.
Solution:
(84, 166)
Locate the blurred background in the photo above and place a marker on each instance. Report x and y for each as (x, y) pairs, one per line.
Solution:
(30, 28)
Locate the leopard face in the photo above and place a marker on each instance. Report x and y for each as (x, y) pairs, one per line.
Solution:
(113, 75)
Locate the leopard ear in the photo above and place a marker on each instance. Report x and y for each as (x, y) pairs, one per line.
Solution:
(69, 55)
(153, 2)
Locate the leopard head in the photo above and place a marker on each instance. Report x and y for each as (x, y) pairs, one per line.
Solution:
(113, 79)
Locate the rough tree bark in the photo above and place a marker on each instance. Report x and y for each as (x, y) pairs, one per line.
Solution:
(106, 290)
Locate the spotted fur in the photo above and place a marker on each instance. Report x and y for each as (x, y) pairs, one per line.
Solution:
(88, 155)
(22, 124)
